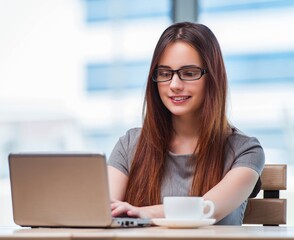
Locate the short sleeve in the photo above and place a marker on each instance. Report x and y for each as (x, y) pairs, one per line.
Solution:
(123, 151)
(249, 153)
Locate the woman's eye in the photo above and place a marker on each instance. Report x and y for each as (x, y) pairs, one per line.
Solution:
(191, 73)
(164, 74)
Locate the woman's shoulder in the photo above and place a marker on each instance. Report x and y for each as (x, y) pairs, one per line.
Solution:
(238, 139)
(132, 133)
(130, 138)
(246, 151)
(122, 154)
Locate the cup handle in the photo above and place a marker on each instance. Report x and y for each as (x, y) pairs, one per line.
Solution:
(211, 208)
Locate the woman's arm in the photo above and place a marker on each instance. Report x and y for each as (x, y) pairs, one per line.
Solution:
(232, 190)
(117, 184)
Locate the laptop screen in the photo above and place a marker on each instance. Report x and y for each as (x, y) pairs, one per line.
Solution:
(59, 190)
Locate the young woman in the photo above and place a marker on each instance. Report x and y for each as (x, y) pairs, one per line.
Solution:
(186, 145)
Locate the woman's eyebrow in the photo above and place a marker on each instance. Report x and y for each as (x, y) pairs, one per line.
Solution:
(189, 66)
(184, 66)
(164, 66)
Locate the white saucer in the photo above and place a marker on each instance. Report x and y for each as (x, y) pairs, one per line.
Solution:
(182, 223)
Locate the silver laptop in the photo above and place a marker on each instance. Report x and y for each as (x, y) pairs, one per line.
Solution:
(63, 190)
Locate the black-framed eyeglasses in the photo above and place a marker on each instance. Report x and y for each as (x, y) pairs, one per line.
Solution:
(190, 73)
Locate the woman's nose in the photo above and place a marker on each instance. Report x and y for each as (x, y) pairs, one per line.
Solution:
(176, 84)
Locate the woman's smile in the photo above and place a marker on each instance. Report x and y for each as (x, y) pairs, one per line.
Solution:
(179, 99)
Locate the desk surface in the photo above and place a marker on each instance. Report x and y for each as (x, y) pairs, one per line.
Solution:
(210, 232)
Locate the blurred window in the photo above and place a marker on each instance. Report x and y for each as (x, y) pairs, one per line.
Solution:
(221, 6)
(98, 77)
(113, 76)
(100, 10)
(261, 68)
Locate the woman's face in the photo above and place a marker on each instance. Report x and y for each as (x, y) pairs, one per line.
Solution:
(181, 98)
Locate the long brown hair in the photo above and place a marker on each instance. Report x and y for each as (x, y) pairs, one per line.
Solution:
(147, 168)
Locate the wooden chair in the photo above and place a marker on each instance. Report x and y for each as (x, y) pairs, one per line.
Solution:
(271, 209)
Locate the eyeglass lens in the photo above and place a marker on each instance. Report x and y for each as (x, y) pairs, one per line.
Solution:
(184, 74)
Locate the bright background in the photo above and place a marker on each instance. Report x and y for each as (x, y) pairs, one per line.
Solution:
(73, 72)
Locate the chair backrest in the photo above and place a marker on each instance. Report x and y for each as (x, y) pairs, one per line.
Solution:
(270, 210)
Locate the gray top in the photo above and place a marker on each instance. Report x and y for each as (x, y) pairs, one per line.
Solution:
(179, 170)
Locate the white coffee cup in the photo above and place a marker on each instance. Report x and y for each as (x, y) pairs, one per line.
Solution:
(187, 208)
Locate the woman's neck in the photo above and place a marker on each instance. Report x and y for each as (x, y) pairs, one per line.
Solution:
(185, 136)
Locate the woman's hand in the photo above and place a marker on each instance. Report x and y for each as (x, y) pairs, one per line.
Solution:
(119, 208)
